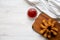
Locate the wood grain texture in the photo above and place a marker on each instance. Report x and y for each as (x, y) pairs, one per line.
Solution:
(36, 25)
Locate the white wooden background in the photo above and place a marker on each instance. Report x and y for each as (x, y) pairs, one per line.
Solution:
(14, 23)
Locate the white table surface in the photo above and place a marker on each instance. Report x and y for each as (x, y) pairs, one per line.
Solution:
(14, 23)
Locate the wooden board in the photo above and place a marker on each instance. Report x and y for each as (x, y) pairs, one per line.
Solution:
(36, 25)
